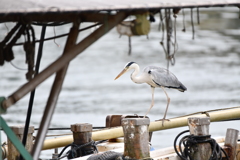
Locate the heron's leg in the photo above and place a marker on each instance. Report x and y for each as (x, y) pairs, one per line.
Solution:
(168, 101)
(152, 104)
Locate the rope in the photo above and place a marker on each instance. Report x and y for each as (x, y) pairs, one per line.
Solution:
(184, 27)
(190, 142)
(62, 35)
(193, 30)
(170, 32)
(198, 17)
(84, 149)
(29, 48)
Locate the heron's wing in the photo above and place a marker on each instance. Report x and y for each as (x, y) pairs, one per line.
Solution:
(163, 77)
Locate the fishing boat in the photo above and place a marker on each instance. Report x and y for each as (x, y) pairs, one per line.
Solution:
(132, 19)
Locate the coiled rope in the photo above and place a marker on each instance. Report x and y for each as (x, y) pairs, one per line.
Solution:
(189, 142)
(85, 149)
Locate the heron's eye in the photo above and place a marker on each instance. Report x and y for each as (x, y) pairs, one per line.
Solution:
(149, 72)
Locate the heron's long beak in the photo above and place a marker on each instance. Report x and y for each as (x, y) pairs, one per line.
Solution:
(121, 73)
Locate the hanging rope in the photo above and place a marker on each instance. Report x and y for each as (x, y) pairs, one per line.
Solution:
(54, 31)
(175, 44)
(59, 36)
(6, 46)
(161, 26)
(193, 31)
(129, 45)
(198, 17)
(170, 32)
(6, 52)
(29, 48)
(184, 27)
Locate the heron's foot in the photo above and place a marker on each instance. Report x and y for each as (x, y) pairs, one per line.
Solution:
(163, 120)
(136, 115)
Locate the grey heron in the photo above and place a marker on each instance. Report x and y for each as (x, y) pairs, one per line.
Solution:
(155, 77)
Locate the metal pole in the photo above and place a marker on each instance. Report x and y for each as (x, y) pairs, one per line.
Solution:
(64, 59)
(53, 97)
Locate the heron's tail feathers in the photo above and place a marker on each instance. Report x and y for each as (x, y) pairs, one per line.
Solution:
(182, 88)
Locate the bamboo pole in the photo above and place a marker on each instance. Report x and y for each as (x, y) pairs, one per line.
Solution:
(223, 114)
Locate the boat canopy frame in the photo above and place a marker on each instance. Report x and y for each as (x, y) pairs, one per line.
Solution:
(55, 11)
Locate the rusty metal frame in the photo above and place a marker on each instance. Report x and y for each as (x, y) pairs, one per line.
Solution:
(53, 97)
(70, 54)
(60, 67)
(57, 17)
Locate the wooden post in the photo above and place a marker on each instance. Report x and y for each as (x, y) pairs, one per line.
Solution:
(13, 154)
(4, 151)
(136, 138)
(230, 144)
(55, 154)
(82, 134)
(116, 120)
(200, 127)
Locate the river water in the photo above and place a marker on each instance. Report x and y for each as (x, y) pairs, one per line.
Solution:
(208, 66)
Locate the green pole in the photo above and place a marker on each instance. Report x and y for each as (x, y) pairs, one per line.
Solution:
(16, 142)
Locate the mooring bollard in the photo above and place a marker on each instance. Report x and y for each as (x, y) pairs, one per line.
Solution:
(230, 144)
(13, 154)
(55, 154)
(200, 127)
(82, 134)
(136, 138)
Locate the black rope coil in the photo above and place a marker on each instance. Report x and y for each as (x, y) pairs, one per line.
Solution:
(190, 142)
(80, 150)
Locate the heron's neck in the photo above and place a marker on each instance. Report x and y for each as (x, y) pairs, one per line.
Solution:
(135, 77)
